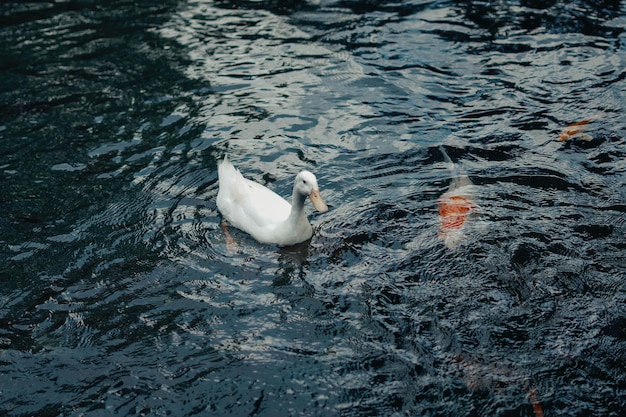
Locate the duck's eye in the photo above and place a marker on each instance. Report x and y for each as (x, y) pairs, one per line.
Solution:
(304, 182)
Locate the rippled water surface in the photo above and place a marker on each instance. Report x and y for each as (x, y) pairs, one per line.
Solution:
(119, 296)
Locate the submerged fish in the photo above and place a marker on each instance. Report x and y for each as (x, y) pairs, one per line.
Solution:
(537, 408)
(490, 376)
(576, 129)
(455, 205)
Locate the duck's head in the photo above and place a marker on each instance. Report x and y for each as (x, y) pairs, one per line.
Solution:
(306, 185)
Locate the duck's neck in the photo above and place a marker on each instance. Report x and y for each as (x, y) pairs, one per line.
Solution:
(297, 207)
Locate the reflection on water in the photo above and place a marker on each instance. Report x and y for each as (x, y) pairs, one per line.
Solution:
(118, 292)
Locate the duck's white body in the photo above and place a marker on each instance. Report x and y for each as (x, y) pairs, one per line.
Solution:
(264, 214)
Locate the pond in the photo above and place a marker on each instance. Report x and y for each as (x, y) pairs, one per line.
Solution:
(119, 294)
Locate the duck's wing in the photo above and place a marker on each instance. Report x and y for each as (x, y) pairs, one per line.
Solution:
(247, 204)
(264, 205)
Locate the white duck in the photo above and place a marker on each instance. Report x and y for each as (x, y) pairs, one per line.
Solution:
(264, 214)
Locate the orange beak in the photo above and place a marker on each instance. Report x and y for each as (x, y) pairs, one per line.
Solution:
(318, 201)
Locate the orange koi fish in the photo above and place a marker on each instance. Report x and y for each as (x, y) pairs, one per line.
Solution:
(576, 129)
(455, 205)
(537, 408)
(488, 376)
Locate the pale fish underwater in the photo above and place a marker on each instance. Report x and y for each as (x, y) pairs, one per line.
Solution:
(455, 206)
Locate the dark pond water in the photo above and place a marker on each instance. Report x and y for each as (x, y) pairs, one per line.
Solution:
(118, 295)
